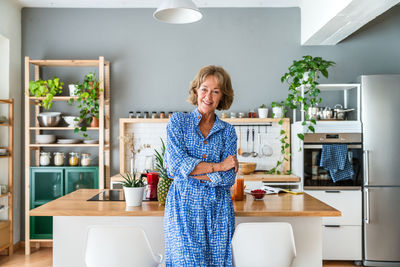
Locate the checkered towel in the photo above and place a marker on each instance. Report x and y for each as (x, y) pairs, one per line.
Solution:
(334, 159)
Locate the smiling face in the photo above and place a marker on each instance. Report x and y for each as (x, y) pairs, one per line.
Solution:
(208, 95)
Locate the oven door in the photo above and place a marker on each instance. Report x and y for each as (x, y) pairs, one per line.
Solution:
(316, 176)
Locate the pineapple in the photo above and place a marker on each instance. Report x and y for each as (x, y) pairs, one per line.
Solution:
(164, 183)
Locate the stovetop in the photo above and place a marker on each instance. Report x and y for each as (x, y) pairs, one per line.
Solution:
(109, 195)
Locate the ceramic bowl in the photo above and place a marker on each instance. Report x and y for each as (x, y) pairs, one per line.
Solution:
(258, 194)
(70, 120)
(45, 138)
(247, 167)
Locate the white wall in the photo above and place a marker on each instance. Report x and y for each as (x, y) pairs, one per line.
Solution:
(10, 30)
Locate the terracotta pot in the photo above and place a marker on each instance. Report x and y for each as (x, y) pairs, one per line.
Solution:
(95, 122)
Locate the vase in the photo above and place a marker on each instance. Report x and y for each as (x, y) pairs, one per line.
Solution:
(133, 196)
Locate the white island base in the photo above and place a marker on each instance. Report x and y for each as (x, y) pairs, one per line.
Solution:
(69, 236)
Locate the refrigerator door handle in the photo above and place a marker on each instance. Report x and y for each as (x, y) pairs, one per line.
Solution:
(366, 165)
(366, 220)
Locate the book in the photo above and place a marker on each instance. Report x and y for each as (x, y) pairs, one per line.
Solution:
(275, 190)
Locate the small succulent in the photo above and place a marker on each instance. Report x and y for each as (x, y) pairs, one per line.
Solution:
(131, 181)
(263, 106)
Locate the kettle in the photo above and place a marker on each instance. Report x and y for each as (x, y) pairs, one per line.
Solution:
(151, 187)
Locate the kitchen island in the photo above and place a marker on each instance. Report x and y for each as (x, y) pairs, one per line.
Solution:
(73, 214)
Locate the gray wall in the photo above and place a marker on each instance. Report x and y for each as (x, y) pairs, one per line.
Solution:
(153, 63)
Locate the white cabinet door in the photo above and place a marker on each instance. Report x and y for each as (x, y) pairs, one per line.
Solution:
(341, 243)
(347, 201)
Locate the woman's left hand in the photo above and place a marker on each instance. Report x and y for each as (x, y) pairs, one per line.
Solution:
(236, 164)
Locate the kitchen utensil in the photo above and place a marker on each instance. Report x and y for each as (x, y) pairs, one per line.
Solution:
(247, 167)
(240, 151)
(313, 113)
(49, 119)
(266, 149)
(340, 113)
(151, 187)
(247, 154)
(326, 114)
(253, 153)
(45, 138)
(260, 155)
(68, 141)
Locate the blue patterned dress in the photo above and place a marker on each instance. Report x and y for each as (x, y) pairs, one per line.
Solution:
(199, 218)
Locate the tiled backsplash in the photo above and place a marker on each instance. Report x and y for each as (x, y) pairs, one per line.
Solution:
(147, 138)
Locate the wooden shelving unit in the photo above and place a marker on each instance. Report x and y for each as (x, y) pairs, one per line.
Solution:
(8, 224)
(34, 128)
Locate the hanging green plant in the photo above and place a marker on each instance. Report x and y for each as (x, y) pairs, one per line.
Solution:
(47, 89)
(285, 151)
(304, 74)
(88, 94)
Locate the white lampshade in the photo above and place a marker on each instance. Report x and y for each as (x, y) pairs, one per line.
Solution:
(177, 12)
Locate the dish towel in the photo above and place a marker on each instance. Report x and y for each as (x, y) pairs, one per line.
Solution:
(334, 159)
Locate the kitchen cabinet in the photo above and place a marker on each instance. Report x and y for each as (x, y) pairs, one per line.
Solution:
(341, 236)
(49, 183)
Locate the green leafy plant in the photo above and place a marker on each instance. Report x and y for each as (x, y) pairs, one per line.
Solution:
(160, 166)
(262, 106)
(304, 73)
(47, 89)
(88, 101)
(130, 180)
(279, 105)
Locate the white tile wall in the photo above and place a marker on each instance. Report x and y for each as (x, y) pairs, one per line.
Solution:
(147, 138)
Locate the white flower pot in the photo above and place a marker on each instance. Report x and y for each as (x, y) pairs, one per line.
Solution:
(133, 196)
(72, 89)
(263, 113)
(277, 112)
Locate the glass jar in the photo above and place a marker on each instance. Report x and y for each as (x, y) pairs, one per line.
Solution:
(170, 115)
(131, 114)
(233, 115)
(162, 115)
(138, 114)
(85, 159)
(145, 115)
(154, 115)
(44, 158)
(73, 159)
(252, 113)
(58, 158)
(224, 115)
(241, 115)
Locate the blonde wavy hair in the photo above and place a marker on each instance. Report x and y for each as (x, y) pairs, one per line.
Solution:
(224, 82)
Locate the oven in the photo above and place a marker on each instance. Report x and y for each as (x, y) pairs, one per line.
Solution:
(316, 176)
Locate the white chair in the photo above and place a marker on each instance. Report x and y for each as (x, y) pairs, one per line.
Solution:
(263, 245)
(119, 246)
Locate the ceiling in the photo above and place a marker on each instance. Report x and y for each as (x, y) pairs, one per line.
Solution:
(323, 22)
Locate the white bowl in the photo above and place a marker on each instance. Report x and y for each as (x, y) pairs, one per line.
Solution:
(45, 138)
(70, 120)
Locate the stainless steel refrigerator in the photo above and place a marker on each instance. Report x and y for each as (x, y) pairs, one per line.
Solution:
(380, 103)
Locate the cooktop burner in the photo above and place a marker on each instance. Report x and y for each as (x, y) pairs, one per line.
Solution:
(109, 195)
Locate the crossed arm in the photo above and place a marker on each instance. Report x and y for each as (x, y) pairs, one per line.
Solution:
(203, 168)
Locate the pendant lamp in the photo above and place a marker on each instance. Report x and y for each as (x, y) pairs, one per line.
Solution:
(177, 12)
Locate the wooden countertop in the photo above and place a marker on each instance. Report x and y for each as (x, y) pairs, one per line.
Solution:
(288, 205)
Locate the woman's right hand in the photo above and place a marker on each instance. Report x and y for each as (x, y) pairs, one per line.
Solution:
(229, 163)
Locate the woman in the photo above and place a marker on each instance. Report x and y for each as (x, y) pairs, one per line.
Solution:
(201, 158)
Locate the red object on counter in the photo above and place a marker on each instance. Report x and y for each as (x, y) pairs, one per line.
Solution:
(238, 189)
(252, 114)
(151, 188)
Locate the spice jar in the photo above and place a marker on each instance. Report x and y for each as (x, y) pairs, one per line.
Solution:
(145, 114)
(170, 114)
(252, 113)
(85, 159)
(44, 158)
(138, 114)
(58, 158)
(154, 115)
(131, 114)
(73, 159)
(233, 115)
(241, 115)
(162, 115)
(224, 115)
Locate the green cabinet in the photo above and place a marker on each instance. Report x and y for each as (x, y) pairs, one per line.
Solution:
(49, 183)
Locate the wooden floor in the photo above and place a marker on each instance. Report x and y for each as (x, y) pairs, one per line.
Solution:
(43, 258)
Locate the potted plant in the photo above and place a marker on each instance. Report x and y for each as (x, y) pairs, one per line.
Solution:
(263, 111)
(47, 89)
(278, 109)
(303, 74)
(165, 182)
(88, 102)
(133, 189)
